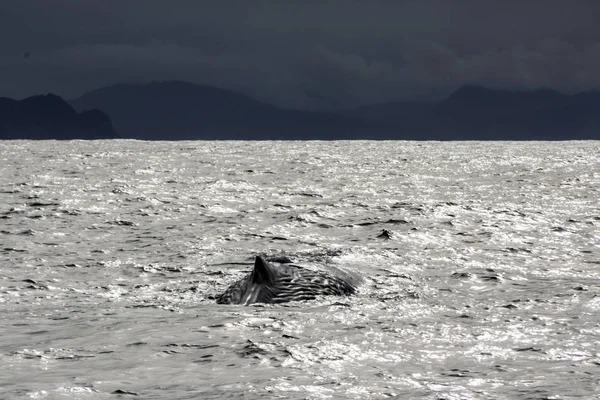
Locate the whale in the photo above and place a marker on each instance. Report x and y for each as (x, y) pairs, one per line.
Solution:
(271, 284)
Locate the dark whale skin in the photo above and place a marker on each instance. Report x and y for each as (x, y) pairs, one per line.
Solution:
(279, 284)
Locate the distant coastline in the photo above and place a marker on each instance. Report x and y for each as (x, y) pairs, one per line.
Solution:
(51, 117)
(186, 111)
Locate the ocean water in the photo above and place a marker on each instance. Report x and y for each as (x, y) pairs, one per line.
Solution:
(112, 252)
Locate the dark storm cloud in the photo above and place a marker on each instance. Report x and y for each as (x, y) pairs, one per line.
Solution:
(300, 53)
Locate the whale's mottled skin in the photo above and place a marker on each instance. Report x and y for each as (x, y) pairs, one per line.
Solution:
(268, 283)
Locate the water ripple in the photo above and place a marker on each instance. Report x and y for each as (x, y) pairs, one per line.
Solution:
(480, 263)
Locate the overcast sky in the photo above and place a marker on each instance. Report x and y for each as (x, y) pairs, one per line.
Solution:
(301, 53)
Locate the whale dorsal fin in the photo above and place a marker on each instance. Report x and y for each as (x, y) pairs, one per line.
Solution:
(263, 272)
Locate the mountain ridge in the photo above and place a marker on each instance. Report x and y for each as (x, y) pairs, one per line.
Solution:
(478, 113)
(177, 110)
(180, 110)
(51, 117)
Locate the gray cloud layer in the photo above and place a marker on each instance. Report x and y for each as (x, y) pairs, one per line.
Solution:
(300, 53)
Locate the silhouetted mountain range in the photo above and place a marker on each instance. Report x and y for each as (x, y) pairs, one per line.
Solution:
(50, 117)
(474, 112)
(179, 110)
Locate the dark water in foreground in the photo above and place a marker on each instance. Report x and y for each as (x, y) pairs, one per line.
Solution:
(111, 254)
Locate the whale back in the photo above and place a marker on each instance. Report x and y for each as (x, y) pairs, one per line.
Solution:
(279, 284)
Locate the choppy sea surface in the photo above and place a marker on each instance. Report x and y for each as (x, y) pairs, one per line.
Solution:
(112, 253)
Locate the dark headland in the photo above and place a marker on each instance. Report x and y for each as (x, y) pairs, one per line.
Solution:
(185, 111)
(51, 117)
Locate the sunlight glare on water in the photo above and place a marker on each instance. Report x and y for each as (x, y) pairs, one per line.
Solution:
(112, 254)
